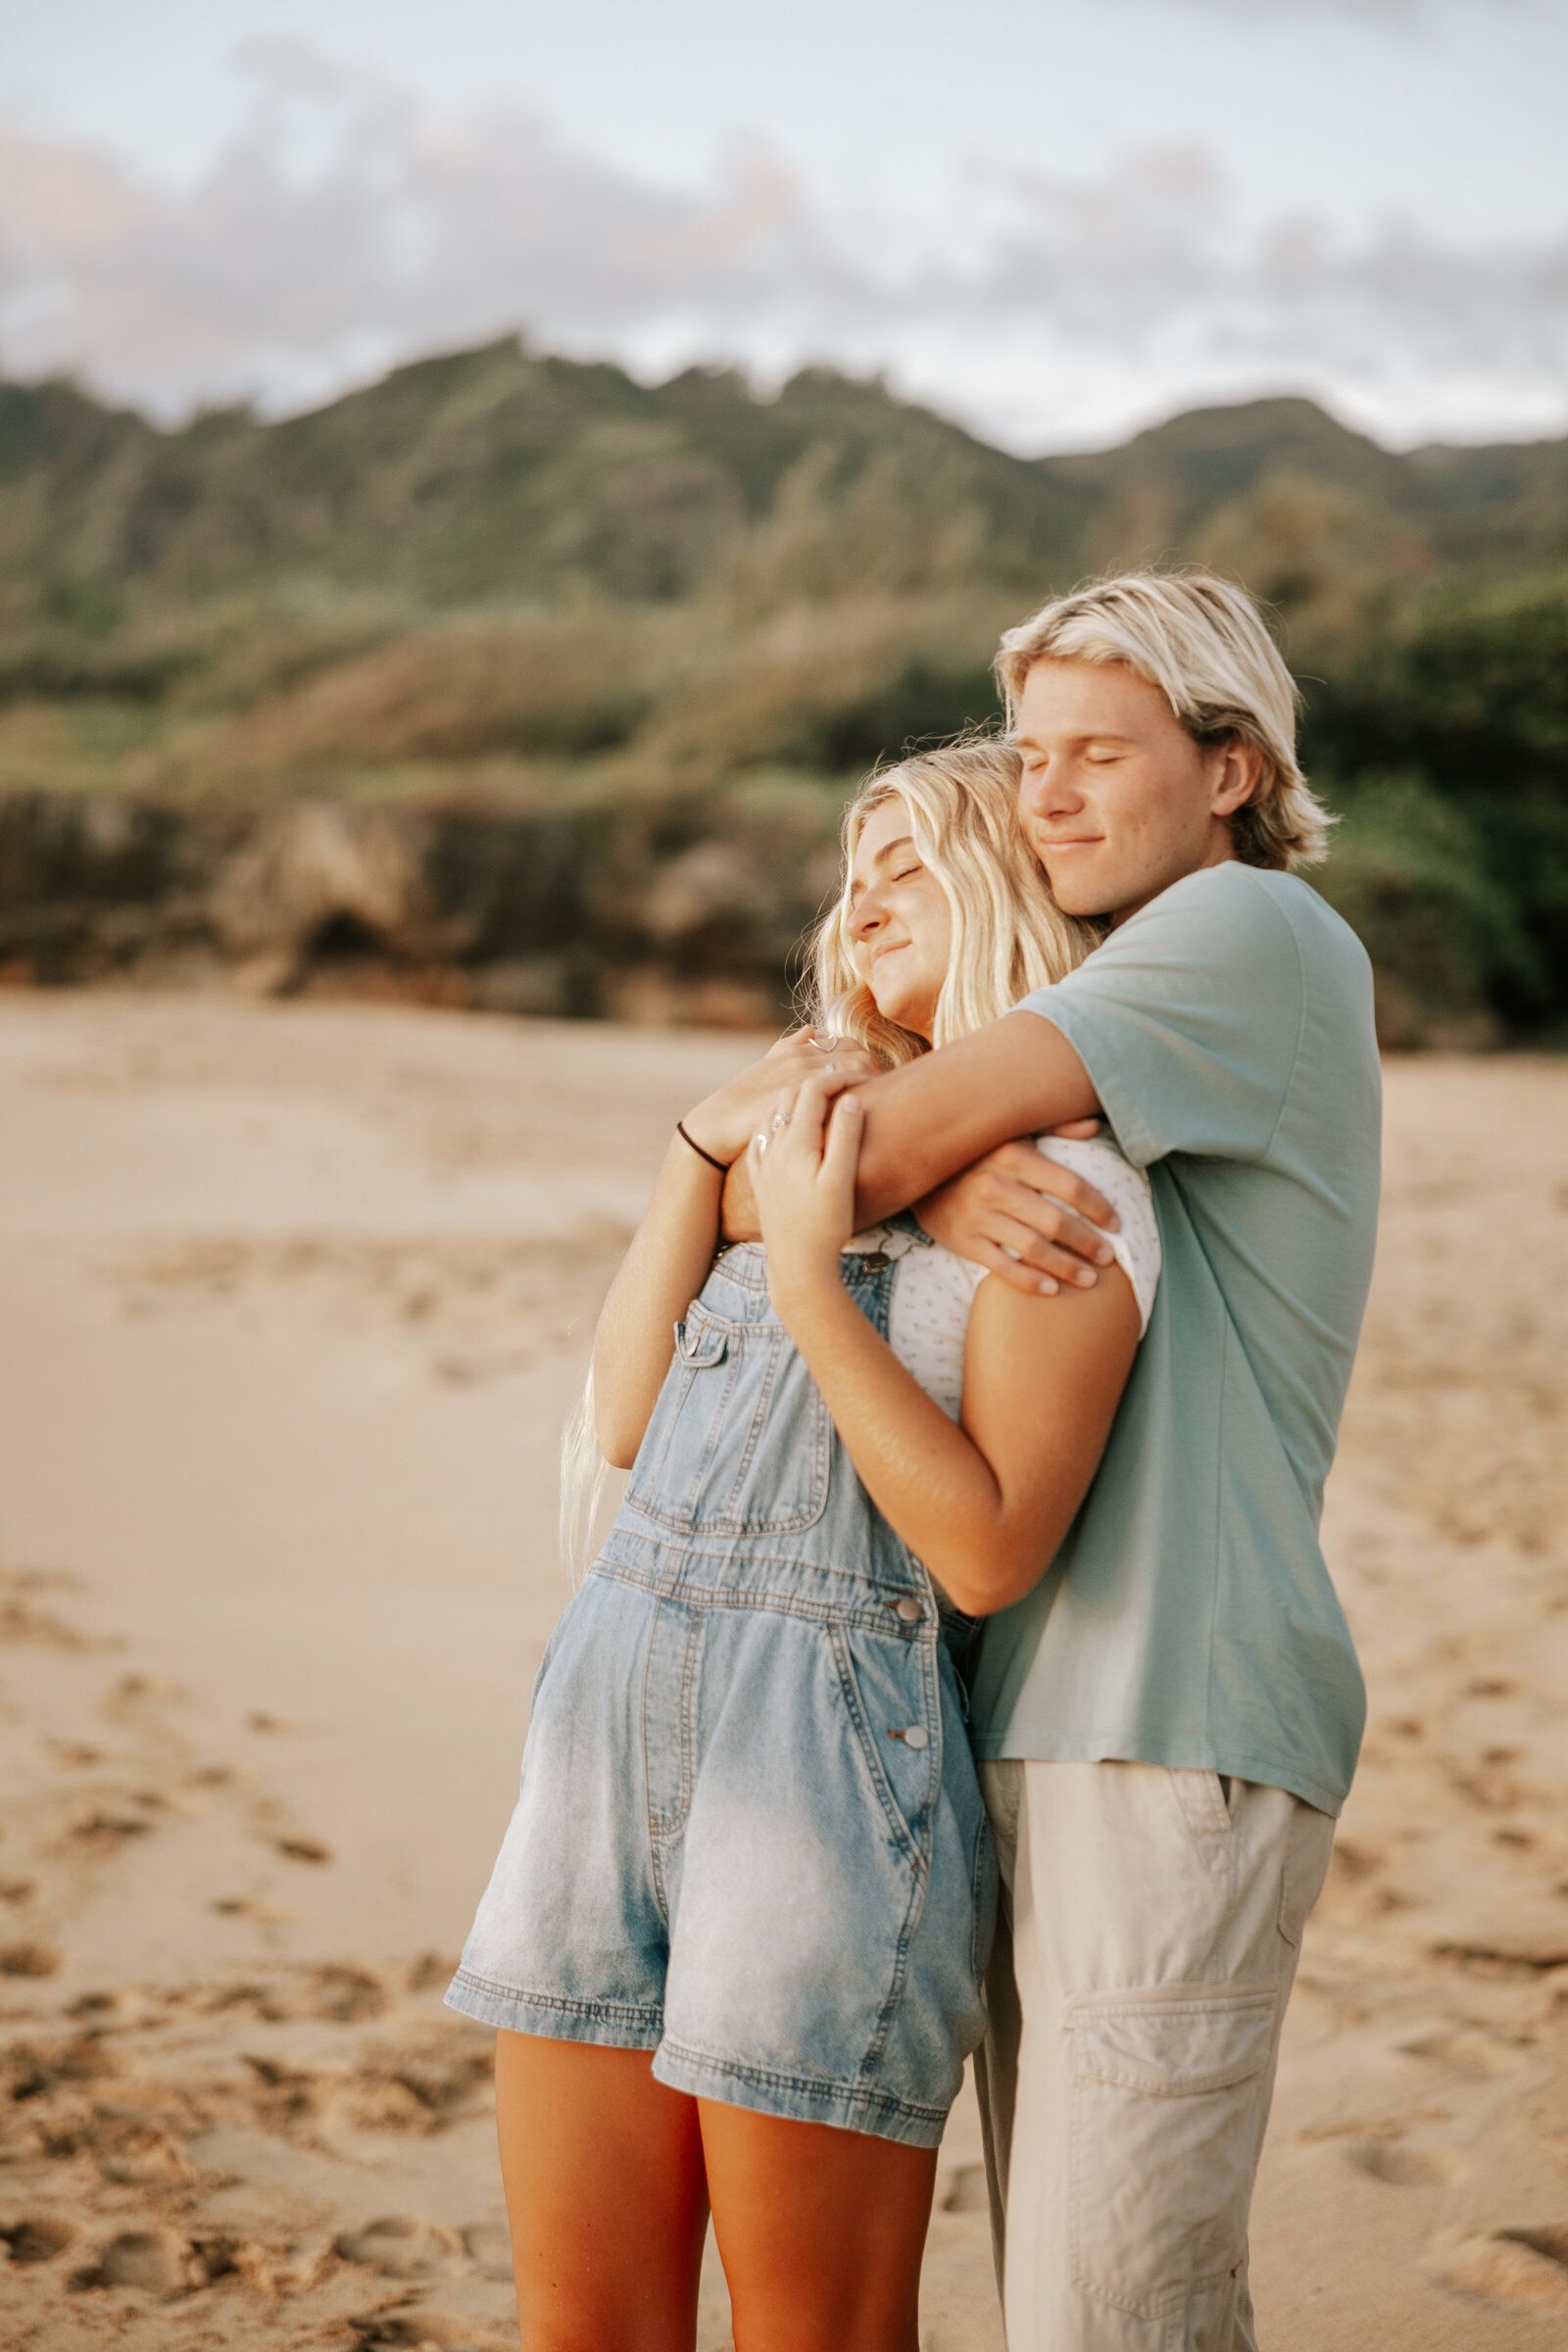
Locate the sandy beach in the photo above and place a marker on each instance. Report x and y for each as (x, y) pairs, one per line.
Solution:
(293, 1302)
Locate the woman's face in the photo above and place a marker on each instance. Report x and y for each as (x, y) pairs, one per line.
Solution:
(900, 932)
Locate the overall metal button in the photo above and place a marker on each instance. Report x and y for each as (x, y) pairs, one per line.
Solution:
(909, 1610)
(875, 1261)
(916, 1735)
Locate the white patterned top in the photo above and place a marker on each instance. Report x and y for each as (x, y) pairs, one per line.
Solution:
(933, 1289)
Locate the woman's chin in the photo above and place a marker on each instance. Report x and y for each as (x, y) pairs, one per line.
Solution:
(906, 1012)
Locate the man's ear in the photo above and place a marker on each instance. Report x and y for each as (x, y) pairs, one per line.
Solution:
(1236, 774)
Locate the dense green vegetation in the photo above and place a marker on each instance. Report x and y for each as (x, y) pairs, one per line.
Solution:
(534, 582)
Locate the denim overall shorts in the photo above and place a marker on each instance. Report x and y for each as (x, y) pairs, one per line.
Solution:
(750, 1837)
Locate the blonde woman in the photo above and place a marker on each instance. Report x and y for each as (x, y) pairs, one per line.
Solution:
(735, 1937)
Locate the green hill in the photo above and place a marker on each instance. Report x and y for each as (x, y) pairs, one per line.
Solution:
(538, 580)
(499, 475)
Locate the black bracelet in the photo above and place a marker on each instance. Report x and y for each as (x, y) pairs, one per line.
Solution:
(722, 1165)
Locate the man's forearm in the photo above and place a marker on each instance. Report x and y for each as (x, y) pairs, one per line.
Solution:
(925, 1122)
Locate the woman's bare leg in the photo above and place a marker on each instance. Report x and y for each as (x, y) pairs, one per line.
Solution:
(821, 2232)
(603, 2170)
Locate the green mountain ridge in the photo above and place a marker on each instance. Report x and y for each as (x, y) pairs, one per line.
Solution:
(497, 474)
(538, 581)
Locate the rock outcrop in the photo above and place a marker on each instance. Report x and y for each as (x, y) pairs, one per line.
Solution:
(669, 912)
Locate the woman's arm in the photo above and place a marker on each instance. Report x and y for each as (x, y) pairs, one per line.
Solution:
(658, 1277)
(984, 1504)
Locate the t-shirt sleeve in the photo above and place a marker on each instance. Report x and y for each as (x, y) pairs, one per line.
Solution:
(1189, 1018)
(1137, 1244)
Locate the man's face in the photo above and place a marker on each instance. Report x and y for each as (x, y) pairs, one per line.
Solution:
(1118, 799)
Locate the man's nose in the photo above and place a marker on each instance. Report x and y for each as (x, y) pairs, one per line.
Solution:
(1048, 790)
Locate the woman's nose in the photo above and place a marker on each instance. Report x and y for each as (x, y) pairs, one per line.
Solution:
(868, 916)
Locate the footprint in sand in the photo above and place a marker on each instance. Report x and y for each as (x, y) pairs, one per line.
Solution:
(1471, 2049)
(1507, 1956)
(489, 2244)
(37, 2238)
(347, 1994)
(420, 2331)
(1401, 2167)
(403, 2245)
(160, 2261)
(305, 1850)
(27, 1960)
(1526, 2267)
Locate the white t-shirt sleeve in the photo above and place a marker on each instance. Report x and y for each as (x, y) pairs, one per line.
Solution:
(1127, 1189)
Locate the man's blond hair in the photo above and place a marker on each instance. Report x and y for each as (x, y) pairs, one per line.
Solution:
(1202, 640)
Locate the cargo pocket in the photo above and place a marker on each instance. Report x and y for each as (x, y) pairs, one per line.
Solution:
(1168, 2105)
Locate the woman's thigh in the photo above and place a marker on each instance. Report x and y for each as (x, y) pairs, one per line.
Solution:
(821, 2232)
(603, 2170)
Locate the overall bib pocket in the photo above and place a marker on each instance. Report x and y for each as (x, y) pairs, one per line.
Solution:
(1168, 2085)
(740, 1443)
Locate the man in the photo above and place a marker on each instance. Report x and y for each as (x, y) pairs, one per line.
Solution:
(1168, 1723)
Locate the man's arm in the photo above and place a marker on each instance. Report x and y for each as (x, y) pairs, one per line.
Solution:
(934, 1117)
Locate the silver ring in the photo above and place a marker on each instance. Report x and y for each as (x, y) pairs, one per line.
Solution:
(781, 1118)
(761, 1146)
(823, 1044)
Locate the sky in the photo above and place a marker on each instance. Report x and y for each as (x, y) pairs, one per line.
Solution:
(1056, 223)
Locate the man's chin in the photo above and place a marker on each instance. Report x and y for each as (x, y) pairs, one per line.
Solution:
(1078, 890)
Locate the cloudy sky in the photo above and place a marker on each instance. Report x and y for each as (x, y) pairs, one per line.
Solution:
(1059, 221)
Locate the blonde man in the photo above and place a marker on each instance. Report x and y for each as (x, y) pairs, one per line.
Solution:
(1168, 1722)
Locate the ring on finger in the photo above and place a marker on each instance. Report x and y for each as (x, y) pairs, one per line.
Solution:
(825, 1044)
(762, 1145)
(781, 1118)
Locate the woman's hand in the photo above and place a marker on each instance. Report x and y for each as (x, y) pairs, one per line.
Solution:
(802, 1172)
(725, 1121)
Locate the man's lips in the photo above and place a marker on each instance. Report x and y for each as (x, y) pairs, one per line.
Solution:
(1046, 843)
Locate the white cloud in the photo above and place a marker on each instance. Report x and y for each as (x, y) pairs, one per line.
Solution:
(343, 226)
(1399, 16)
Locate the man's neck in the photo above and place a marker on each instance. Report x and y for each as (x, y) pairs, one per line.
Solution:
(1219, 852)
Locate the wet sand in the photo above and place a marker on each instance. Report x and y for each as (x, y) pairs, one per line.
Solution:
(292, 1303)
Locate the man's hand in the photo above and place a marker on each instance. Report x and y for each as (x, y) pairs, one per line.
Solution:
(1026, 1217)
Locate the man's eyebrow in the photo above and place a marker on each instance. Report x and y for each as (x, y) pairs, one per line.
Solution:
(1032, 743)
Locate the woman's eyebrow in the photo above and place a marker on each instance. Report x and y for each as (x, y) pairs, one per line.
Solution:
(906, 841)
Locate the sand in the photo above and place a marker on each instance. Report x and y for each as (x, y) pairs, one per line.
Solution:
(292, 1303)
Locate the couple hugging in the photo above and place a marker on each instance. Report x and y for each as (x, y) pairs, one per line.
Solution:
(961, 1672)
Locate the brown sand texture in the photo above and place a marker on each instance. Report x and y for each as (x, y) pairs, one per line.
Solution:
(293, 1300)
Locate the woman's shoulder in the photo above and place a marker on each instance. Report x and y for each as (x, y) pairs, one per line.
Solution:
(1130, 1194)
(1093, 1157)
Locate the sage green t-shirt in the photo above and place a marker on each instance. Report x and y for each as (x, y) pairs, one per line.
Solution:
(1188, 1617)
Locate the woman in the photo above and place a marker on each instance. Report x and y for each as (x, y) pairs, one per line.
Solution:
(749, 1839)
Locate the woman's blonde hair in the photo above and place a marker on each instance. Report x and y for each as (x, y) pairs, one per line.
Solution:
(1009, 934)
(1009, 937)
(1202, 640)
